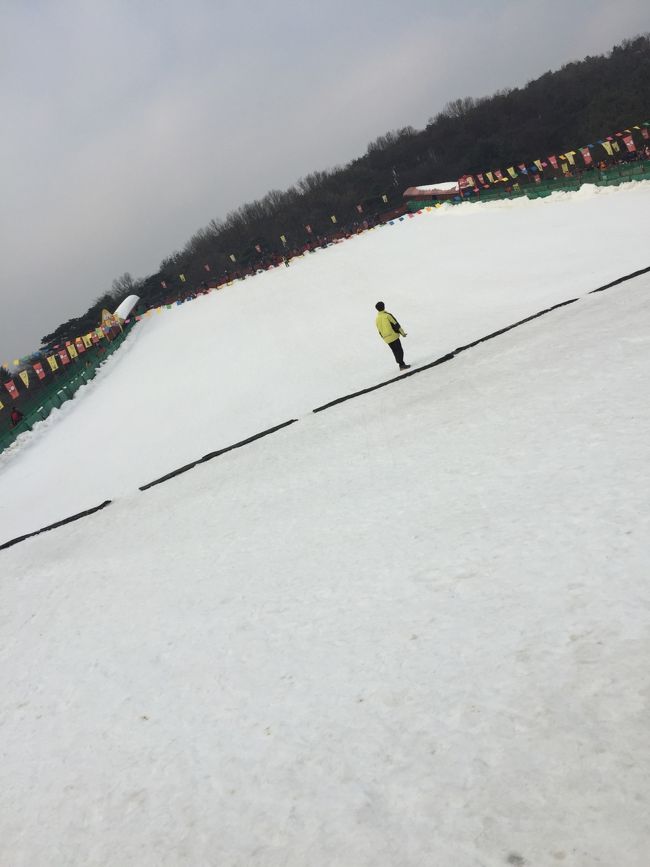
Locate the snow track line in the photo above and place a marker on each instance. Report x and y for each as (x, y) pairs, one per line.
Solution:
(449, 355)
(69, 520)
(444, 358)
(216, 454)
(620, 280)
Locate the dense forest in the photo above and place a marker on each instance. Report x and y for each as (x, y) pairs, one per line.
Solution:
(576, 105)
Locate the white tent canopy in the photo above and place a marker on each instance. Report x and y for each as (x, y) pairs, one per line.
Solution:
(126, 307)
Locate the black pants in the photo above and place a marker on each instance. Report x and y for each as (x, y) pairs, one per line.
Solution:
(398, 350)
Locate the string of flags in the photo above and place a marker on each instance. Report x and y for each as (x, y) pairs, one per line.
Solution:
(612, 145)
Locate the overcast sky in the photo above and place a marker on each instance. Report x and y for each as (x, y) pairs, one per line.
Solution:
(128, 124)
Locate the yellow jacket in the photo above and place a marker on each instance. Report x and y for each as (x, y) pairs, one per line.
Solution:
(384, 323)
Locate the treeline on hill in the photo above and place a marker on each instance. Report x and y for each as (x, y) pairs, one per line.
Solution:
(581, 102)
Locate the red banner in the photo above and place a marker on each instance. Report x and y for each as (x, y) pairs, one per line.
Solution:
(63, 355)
(586, 156)
(553, 162)
(79, 345)
(38, 367)
(11, 388)
(629, 143)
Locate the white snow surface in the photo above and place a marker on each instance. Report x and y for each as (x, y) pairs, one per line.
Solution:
(410, 630)
(252, 355)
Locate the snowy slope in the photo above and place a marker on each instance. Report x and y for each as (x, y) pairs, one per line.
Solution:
(273, 347)
(411, 630)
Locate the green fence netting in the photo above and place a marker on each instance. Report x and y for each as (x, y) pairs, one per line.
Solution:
(601, 177)
(61, 388)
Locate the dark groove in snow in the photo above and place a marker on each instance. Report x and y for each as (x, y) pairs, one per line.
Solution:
(216, 454)
(69, 520)
(325, 406)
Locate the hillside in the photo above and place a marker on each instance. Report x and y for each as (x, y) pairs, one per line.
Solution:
(412, 629)
(582, 102)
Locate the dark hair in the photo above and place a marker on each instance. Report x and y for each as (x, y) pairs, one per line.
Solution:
(379, 305)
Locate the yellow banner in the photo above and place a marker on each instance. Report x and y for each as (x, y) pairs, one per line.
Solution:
(2, 406)
(25, 377)
(87, 341)
(182, 277)
(333, 218)
(607, 147)
(72, 352)
(615, 146)
(570, 155)
(539, 165)
(511, 171)
(52, 362)
(490, 177)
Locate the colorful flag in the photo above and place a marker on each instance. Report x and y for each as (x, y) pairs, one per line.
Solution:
(25, 378)
(490, 177)
(38, 367)
(207, 267)
(553, 162)
(360, 209)
(607, 147)
(52, 362)
(79, 344)
(522, 168)
(570, 156)
(232, 257)
(511, 171)
(308, 228)
(2, 406)
(258, 248)
(586, 155)
(629, 143)
(616, 146)
(63, 355)
(71, 350)
(11, 388)
(498, 175)
(181, 277)
(385, 198)
(481, 179)
(333, 218)
(283, 239)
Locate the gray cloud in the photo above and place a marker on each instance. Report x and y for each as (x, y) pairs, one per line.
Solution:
(131, 125)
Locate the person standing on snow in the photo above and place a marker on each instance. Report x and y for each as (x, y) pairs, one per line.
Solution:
(390, 330)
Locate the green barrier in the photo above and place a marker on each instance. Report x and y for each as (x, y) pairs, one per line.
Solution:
(62, 387)
(612, 176)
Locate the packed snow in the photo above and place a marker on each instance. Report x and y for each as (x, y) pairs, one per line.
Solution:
(410, 630)
(210, 373)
